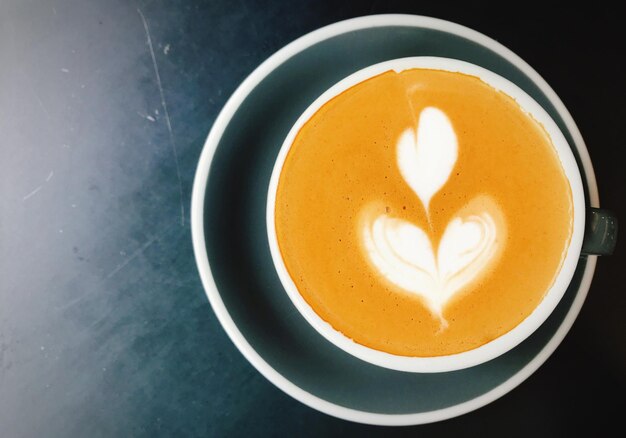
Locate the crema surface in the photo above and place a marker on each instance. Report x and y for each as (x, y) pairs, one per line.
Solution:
(423, 213)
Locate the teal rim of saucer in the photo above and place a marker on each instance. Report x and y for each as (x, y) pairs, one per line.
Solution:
(232, 251)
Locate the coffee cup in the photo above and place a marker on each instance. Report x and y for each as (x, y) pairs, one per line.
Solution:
(415, 281)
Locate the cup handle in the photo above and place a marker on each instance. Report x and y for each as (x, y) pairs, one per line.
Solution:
(600, 232)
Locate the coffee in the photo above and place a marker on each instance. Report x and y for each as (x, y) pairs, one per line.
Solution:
(423, 213)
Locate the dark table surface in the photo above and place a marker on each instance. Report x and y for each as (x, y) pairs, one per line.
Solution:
(105, 329)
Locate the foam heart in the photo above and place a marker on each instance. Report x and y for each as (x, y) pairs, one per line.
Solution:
(426, 155)
(403, 254)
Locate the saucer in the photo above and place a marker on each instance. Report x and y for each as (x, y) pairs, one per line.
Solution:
(231, 245)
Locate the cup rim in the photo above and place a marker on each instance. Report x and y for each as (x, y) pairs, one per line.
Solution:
(503, 343)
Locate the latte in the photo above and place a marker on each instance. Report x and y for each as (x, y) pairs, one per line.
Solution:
(423, 213)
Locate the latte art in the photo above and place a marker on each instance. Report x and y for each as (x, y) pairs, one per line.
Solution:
(403, 252)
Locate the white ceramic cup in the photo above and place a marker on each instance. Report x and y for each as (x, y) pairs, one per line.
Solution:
(508, 340)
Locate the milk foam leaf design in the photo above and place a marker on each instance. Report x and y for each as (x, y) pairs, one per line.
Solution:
(427, 156)
(402, 253)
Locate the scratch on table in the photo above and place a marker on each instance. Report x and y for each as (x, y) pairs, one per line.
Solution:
(32, 193)
(38, 188)
(138, 251)
(43, 107)
(133, 256)
(122, 265)
(167, 117)
(146, 116)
